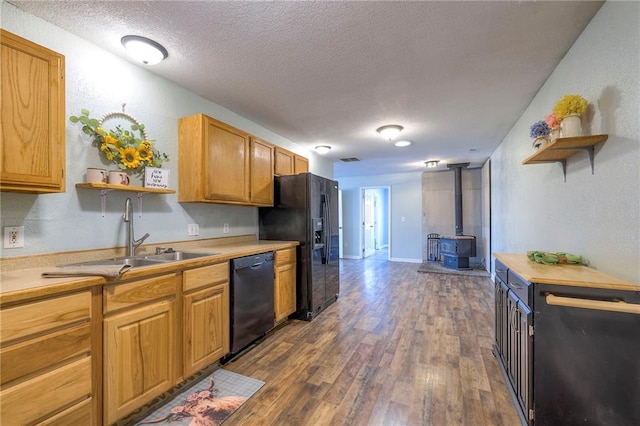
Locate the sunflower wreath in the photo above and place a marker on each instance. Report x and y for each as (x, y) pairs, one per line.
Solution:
(129, 150)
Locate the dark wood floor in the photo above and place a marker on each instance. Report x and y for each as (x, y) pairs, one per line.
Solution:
(398, 348)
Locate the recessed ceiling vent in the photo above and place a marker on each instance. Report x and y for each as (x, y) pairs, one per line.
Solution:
(350, 159)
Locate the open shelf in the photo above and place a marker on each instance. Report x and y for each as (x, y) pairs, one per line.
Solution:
(127, 188)
(562, 148)
(140, 190)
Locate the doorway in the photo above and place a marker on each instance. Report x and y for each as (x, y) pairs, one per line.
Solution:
(375, 219)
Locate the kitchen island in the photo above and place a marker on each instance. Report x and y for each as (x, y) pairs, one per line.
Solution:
(567, 338)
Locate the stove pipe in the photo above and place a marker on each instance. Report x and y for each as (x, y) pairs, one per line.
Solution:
(457, 174)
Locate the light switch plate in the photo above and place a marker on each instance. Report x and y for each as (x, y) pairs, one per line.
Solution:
(225, 228)
(13, 236)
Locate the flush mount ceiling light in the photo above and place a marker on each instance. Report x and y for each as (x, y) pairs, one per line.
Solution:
(390, 131)
(323, 149)
(431, 163)
(402, 143)
(144, 50)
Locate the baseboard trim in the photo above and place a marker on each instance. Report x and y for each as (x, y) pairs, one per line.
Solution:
(400, 259)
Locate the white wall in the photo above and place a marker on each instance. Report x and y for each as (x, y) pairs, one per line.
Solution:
(594, 215)
(406, 202)
(101, 82)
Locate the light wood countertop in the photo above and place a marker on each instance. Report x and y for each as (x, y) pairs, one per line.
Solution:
(24, 284)
(571, 275)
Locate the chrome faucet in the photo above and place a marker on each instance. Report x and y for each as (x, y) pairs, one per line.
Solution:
(132, 244)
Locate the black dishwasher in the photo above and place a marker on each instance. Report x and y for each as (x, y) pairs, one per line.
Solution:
(252, 313)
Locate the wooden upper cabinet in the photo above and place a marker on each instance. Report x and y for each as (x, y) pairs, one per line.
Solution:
(301, 164)
(261, 172)
(288, 163)
(221, 164)
(283, 162)
(213, 161)
(32, 133)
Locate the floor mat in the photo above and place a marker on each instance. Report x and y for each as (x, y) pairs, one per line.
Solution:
(209, 402)
(438, 268)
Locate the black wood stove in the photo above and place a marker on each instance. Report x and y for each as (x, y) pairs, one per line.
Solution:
(457, 249)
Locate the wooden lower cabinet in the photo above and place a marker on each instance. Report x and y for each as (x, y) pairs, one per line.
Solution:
(48, 366)
(206, 316)
(285, 284)
(140, 346)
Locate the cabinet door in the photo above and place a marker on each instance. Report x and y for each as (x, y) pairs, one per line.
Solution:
(525, 343)
(301, 165)
(502, 314)
(139, 357)
(283, 162)
(285, 291)
(32, 115)
(261, 172)
(227, 163)
(206, 319)
(512, 339)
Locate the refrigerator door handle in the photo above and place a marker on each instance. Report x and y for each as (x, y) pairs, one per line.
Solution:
(327, 229)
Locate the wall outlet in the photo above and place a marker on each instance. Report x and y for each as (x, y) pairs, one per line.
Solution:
(13, 236)
(225, 228)
(193, 229)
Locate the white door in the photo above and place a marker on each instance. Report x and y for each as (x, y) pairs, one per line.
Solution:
(368, 222)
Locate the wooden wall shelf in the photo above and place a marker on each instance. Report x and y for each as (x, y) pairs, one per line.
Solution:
(563, 148)
(127, 188)
(140, 190)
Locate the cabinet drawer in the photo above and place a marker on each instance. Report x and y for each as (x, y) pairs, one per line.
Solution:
(41, 396)
(207, 275)
(120, 296)
(519, 286)
(501, 270)
(44, 352)
(79, 414)
(285, 256)
(38, 317)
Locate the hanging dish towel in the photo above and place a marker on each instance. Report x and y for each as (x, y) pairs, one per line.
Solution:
(108, 271)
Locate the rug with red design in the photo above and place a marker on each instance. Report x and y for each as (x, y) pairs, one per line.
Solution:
(207, 403)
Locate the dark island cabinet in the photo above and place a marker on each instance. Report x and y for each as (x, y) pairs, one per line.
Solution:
(514, 335)
(568, 340)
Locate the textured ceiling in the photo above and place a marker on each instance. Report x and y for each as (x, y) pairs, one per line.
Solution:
(456, 75)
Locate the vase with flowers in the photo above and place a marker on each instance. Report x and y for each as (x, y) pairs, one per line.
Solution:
(554, 125)
(568, 110)
(539, 131)
(131, 150)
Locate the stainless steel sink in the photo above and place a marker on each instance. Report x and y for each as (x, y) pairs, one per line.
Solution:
(175, 256)
(133, 261)
(146, 260)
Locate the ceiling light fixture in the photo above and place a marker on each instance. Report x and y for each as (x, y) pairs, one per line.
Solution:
(402, 143)
(323, 149)
(389, 131)
(431, 163)
(144, 50)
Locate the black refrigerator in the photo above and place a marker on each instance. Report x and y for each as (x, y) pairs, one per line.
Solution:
(306, 210)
